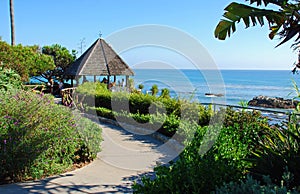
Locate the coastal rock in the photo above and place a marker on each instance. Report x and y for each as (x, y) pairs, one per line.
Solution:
(271, 102)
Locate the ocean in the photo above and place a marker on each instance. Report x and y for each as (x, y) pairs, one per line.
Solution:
(235, 85)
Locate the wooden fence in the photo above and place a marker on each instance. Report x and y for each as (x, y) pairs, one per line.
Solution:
(67, 96)
(36, 88)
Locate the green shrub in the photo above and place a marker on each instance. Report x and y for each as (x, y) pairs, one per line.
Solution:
(141, 118)
(190, 174)
(205, 115)
(102, 112)
(131, 84)
(90, 136)
(200, 171)
(165, 93)
(135, 119)
(9, 79)
(96, 94)
(172, 106)
(170, 125)
(250, 185)
(154, 90)
(245, 143)
(275, 147)
(93, 95)
(101, 100)
(140, 86)
(167, 113)
(233, 117)
(39, 138)
(140, 103)
(120, 102)
(93, 89)
(279, 149)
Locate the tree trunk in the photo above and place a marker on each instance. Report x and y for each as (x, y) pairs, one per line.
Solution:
(12, 22)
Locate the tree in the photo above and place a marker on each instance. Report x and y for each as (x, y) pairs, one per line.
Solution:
(154, 90)
(140, 86)
(12, 22)
(283, 21)
(27, 61)
(165, 93)
(62, 60)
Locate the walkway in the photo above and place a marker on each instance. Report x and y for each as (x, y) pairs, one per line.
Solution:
(125, 157)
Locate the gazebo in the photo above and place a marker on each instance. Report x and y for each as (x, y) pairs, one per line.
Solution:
(99, 60)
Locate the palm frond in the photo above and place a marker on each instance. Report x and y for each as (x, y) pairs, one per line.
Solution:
(289, 34)
(266, 2)
(236, 12)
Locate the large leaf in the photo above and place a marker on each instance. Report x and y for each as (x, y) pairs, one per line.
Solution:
(236, 12)
(266, 2)
(290, 33)
(224, 28)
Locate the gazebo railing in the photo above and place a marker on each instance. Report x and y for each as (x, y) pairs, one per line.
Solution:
(67, 96)
(36, 88)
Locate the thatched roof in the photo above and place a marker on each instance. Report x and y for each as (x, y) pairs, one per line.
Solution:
(101, 60)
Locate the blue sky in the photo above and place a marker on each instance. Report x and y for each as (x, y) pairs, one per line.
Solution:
(66, 22)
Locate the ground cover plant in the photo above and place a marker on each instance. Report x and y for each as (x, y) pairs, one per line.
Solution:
(39, 138)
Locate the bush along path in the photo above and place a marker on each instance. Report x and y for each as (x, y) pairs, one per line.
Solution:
(244, 145)
(124, 158)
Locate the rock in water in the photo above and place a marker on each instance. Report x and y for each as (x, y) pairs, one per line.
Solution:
(271, 102)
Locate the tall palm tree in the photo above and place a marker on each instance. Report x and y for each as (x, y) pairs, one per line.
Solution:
(284, 21)
(12, 22)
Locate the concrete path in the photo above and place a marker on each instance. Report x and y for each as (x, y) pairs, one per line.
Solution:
(124, 158)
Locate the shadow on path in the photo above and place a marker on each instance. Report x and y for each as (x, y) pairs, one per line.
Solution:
(46, 186)
(130, 180)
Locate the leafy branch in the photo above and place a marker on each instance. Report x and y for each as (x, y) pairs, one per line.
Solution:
(283, 22)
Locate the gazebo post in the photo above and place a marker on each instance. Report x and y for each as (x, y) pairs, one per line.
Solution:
(108, 81)
(95, 78)
(127, 81)
(115, 78)
(77, 80)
